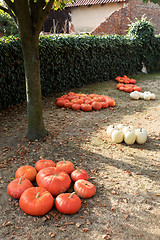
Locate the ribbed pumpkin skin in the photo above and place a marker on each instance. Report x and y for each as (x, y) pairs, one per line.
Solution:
(36, 201)
(79, 174)
(53, 180)
(65, 166)
(18, 186)
(44, 163)
(26, 171)
(84, 188)
(67, 203)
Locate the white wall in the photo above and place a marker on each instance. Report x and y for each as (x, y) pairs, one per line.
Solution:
(86, 19)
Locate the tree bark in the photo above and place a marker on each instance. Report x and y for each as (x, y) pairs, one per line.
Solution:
(29, 35)
(30, 16)
(35, 127)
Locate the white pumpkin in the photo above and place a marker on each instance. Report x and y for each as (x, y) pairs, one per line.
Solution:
(129, 137)
(141, 135)
(110, 129)
(134, 95)
(117, 136)
(127, 128)
(140, 129)
(147, 96)
(120, 126)
(141, 95)
(152, 96)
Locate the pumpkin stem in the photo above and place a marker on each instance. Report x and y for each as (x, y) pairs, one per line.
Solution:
(64, 161)
(79, 170)
(20, 180)
(37, 196)
(71, 194)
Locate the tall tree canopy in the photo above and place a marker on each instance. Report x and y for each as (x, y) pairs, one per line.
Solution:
(30, 16)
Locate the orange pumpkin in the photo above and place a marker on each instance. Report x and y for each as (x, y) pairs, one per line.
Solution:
(68, 203)
(80, 101)
(105, 104)
(65, 166)
(26, 171)
(86, 107)
(68, 104)
(53, 180)
(43, 163)
(84, 188)
(132, 81)
(96, 106)
(60, 103)
(112, 102)
(71, 93)
(76, 106)
(18, 186)
(36, 201)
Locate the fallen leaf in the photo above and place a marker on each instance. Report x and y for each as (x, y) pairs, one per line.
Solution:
(78, 224)
(52, 234)
(157, 194)
(85, 230)
(125, 216)
(44, 219)
(55, 214)
(88, 222)
(6, 223)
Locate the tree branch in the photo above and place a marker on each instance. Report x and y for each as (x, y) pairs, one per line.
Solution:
(32, 9)
(36, 9)
(10, 4)
(8, 10)
(41, 3)
(4, 9)
(32, 4)
(44, 13)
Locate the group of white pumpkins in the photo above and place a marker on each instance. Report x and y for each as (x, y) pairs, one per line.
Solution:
(140, 95)
(127, 134)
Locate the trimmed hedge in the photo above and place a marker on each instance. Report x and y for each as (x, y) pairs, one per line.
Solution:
(73, 61)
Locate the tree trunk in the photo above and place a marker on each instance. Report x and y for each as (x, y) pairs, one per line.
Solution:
(35, 128)
(29, 29)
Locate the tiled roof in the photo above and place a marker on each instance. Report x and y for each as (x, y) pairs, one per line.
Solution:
(92, 2)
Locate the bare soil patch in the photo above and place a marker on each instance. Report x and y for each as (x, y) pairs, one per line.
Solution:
(127, 203)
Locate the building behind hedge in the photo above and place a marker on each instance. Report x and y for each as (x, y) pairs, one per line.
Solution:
(103, 16)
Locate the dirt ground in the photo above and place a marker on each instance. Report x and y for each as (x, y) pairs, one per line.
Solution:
(127, 203)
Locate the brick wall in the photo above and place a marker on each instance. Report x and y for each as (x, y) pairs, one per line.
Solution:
(118, 21)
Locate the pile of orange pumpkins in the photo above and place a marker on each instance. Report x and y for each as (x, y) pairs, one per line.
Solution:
(85, 102)
(53, 181)
(126, 84)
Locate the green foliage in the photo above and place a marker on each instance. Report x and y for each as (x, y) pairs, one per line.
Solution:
(141, 30)
(7, 25)
(72, 61)
(154, 1)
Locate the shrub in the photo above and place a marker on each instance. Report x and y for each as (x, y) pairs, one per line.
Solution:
(7, 25)
(142, 32)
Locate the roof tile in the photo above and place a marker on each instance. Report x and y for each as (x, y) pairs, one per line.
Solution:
(92, 2)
